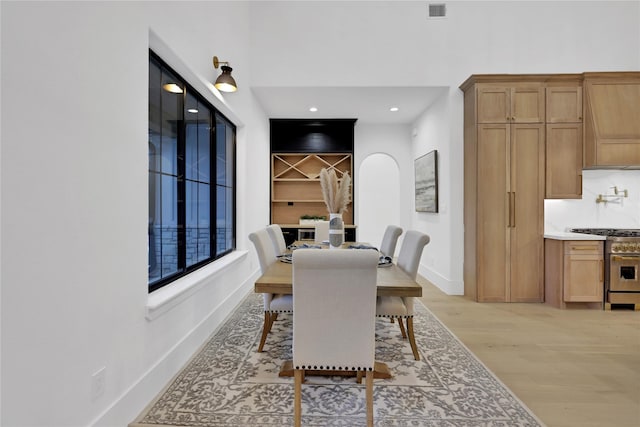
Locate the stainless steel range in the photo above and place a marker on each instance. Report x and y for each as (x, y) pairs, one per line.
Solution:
(622, 264)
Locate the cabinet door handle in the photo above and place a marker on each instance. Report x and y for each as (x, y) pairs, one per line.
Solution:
(601, 272)
(512, 209)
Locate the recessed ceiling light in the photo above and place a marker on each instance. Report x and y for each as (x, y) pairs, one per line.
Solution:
(393, 109)
(192, 110)
(313, 109)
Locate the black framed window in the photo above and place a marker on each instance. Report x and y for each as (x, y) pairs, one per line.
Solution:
(191, 178)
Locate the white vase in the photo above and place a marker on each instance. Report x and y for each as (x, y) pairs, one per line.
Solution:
(336, 230)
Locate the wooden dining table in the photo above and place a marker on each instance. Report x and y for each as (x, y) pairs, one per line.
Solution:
(391, 281)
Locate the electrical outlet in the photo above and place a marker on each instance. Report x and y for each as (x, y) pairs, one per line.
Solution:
(98, 383)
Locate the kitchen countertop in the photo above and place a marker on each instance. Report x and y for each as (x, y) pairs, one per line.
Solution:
(565, 235)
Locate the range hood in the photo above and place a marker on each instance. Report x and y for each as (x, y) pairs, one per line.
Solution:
(612, 120)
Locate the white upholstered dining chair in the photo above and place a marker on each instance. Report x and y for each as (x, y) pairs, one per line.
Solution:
(334, 298)
(277, 238)
(389, 240)
(401, 308)
(273, 303)
(322, 232)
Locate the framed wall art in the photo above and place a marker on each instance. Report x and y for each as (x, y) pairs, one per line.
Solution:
(426, 174)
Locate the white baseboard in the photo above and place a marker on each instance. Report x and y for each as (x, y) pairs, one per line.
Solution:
(449, 287)
(137, 397)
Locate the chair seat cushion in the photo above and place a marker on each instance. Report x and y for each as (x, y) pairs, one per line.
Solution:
(391, 307)
(281, 303)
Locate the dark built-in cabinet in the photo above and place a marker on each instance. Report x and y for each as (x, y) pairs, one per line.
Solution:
(300, 148)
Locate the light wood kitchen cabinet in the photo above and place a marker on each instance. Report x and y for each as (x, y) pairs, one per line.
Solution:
(612, 119)
(503, 200)
(509, 190)
(564, 161)
(564, 104)
(564, 142)
(522, 104)
(574, 273)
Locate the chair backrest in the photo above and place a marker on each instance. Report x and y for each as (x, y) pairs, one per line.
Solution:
(390, 239)
(334, 304)
(264, 248)
(411, 252)
(277, 238)
(322, 231)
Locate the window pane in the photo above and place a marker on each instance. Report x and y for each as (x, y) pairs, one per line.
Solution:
(198, 228)
(169, 225)
(224, 227)
(172, 95)
(155, 220)
(229, 220)
(191, 222)
(204, 222)
(204, 144)
(155, 116)
(221, 151)
(230, 139)
(163, 241)
(197, 140)
(191, 137)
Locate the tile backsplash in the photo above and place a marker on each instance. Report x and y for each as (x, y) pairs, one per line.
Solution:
(586, 213)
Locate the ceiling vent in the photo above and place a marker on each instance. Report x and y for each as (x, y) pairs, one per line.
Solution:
(437, 10)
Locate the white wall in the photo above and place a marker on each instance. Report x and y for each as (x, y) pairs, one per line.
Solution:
(363, 43)
(74, 203)
(441, 260)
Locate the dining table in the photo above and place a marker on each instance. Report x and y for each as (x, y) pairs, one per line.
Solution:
(391, 281)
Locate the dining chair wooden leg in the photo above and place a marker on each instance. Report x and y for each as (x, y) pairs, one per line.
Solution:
(297, 399)
(274, 316)
(265, 330)
(359, 377)
(412, 338)
(369, 385)
(402, 330)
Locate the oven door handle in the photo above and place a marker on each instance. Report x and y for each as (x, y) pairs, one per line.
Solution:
(624, 258)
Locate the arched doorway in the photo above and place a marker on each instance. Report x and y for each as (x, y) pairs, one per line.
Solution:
(378, 196)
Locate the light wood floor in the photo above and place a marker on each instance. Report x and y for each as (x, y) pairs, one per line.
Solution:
(575, 367)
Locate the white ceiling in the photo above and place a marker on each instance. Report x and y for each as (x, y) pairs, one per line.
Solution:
(367, 104)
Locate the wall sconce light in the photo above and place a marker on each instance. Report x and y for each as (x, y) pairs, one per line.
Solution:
(224, 82)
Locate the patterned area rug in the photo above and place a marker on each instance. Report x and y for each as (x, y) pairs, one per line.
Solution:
(227, 383)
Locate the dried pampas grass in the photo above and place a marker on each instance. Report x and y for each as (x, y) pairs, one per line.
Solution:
(336, 194)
